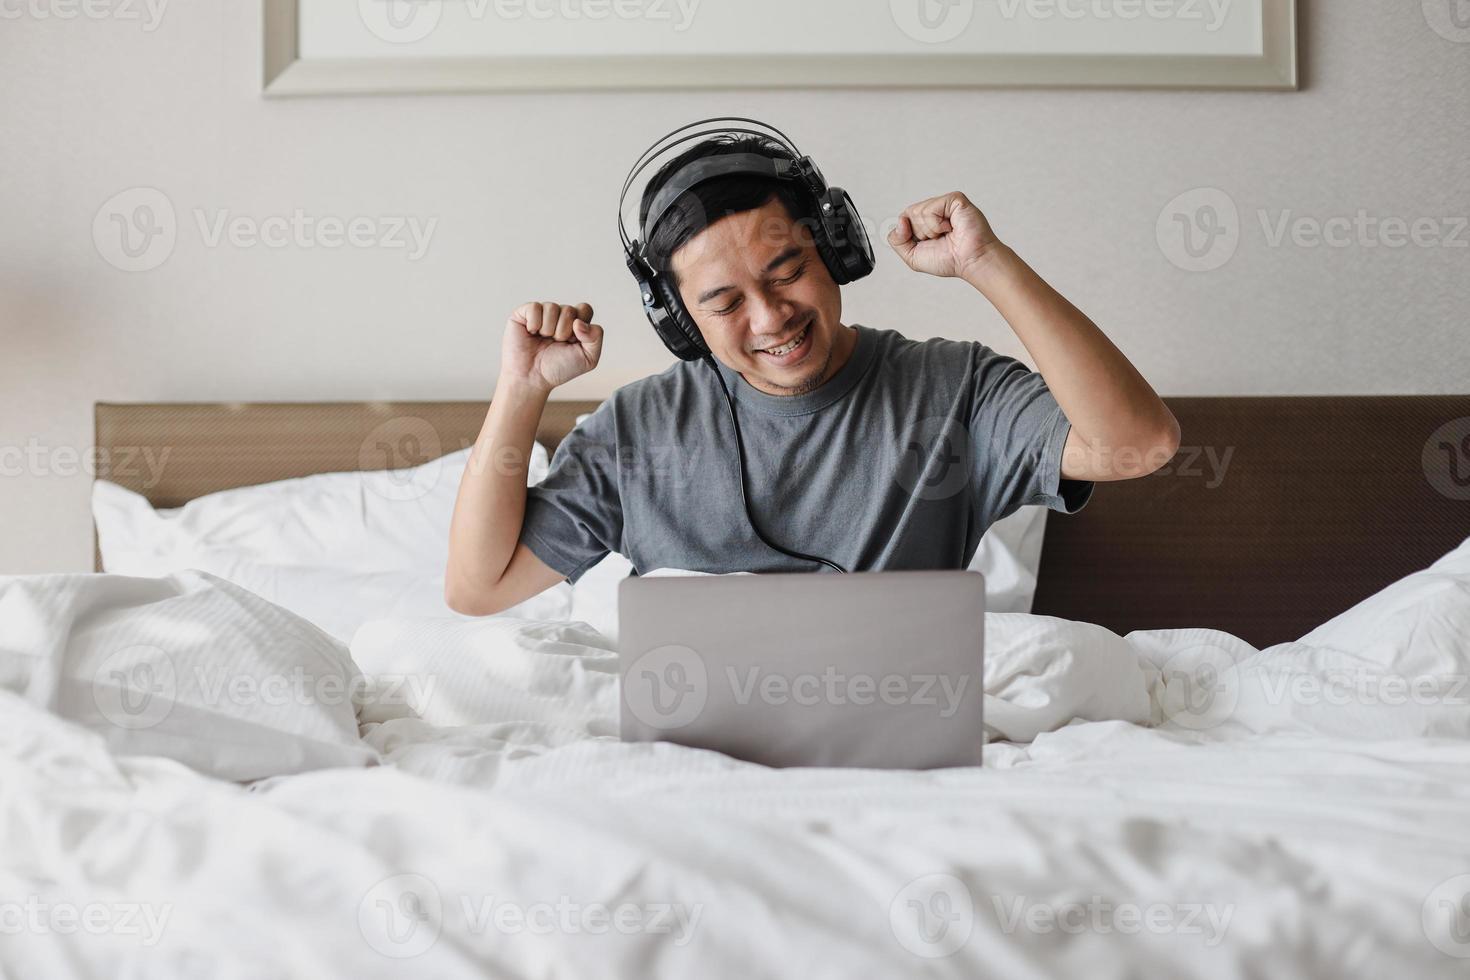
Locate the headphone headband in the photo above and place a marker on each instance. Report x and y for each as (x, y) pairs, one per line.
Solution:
(663, 145)
(702, 171)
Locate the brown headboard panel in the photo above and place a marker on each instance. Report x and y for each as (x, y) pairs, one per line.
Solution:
(174, 452)
(1277, 514)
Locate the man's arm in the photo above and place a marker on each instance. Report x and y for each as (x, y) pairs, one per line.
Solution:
(489, 570)
(1121, 429)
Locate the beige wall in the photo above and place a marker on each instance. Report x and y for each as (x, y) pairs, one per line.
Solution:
(523, 188)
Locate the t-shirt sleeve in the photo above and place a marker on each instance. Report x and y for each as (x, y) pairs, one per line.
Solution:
(1018, 432)
(574, 517)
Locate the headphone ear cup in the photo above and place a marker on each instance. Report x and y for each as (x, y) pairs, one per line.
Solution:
(846, 248)
(823, 238)
(676, 327)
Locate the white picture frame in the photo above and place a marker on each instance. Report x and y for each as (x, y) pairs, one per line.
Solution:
(296, 32)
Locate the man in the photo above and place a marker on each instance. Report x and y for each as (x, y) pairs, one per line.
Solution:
(863, 446)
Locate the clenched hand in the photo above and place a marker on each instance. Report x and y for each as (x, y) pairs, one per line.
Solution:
(548, 344)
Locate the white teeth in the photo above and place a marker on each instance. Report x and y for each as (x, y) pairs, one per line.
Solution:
(788, 348)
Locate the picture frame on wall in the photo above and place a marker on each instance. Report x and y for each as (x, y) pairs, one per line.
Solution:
(342, 47)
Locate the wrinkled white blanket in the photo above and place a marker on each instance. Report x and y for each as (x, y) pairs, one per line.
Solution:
(1228, 828)
(1104, 849)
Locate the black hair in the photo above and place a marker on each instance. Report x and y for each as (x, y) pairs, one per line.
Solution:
(695, 210)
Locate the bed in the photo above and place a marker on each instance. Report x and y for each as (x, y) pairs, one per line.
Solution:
(1178, 787)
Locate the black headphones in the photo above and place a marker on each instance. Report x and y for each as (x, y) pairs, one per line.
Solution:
(837, 229)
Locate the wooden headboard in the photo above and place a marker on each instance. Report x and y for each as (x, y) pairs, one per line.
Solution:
(1277, 514)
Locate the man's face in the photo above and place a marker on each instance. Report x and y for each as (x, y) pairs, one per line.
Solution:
(754, 284)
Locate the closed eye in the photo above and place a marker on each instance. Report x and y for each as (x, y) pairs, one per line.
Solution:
(795, 275)
(800, 271)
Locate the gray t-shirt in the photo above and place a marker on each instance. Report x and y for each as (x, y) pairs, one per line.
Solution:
(902, 460)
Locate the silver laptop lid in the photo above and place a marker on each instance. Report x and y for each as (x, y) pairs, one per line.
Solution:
(874, 669)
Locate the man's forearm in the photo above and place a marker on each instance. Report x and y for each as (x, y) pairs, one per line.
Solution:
(1110, 405)
(492, 496)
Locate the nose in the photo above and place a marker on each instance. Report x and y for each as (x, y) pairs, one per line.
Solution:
(770, 315)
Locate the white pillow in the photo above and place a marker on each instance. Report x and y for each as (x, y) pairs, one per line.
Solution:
(188, 667)
(1419, 625)
(1395, 666)
(1042, 673)
(336, 548)
(374, 521)
(1009, 557)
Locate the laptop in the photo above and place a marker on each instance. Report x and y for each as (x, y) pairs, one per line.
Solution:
(879, 670)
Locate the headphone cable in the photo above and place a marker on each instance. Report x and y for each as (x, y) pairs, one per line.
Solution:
(744, 497)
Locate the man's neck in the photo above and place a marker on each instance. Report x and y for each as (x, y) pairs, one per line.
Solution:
(842, 347)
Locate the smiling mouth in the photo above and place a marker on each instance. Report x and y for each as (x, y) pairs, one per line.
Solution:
(790, 346)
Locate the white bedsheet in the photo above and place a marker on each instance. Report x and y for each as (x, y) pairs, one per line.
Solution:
(1313, 856)
(1261, 855)
(1248, 840)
